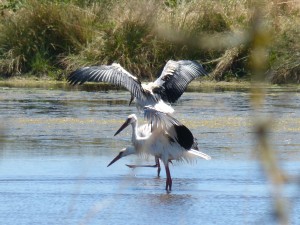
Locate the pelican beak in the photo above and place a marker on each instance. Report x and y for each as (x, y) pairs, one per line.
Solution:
(119, 156)
(131, 99)
(127, 122)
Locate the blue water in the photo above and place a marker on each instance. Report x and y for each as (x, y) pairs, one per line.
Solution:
(56, 144)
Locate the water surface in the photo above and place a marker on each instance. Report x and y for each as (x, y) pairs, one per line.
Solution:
(56, 143)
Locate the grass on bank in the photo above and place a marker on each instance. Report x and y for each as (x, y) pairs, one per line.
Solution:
(56, 37)
(199, 85)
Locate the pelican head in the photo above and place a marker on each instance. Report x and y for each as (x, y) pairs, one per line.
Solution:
(124, 152)
(130, 120)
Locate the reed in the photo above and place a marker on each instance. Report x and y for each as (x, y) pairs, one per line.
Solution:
(59, 36)
(36, 36)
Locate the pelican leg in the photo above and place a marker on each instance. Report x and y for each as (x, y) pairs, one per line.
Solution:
(169, 179)
(135, 166)
(157, 164)
(131, 99)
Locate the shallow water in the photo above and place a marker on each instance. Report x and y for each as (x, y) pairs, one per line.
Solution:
(56, 144)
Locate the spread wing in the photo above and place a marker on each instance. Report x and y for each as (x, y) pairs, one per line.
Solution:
(114, 74)
(175, 77)
(166, 123)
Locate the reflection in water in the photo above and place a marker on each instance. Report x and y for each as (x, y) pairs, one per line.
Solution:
(171, 199)
(2, 138)
(58, 142)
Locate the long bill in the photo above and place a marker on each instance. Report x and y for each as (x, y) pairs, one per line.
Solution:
(119, 156)
(122, 127)
(131, 99)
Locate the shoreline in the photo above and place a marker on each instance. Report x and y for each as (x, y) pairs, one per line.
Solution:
(197, 85)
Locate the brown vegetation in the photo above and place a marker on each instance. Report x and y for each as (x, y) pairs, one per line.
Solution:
(55, 37)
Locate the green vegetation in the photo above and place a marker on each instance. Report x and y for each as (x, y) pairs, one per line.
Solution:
(52, 38)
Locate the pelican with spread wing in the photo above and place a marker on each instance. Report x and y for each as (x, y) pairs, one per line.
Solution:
(166, 89)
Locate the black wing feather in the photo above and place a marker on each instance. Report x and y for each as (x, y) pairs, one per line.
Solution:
(175, 78)
(176, 130)
(114, 74)
(184, 136)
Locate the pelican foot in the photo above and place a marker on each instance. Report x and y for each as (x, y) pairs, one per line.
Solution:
(169, 184)
(151, 166)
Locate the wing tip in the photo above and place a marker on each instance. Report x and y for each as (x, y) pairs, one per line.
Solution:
(200, 154)
(75, 77)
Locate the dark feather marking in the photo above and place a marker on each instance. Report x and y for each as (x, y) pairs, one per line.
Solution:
(176, 83)
(114, 74)
(169, 137)
(184, 136)
(195, 144)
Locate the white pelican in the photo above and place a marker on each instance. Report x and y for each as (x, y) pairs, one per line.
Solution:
(168, 140)
(144, 131)
(166, 89)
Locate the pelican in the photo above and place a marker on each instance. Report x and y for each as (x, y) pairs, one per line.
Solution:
(168, 140)
(166, 89)
(144, 131)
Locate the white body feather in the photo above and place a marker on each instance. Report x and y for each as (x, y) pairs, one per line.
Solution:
(157, 143)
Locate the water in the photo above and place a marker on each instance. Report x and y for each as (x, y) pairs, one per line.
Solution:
(57, 142)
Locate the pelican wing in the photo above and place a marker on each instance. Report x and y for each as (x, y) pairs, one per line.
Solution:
(158, 119)
(144, 130)
(114, 74)
(165, 123)
(175, 77)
